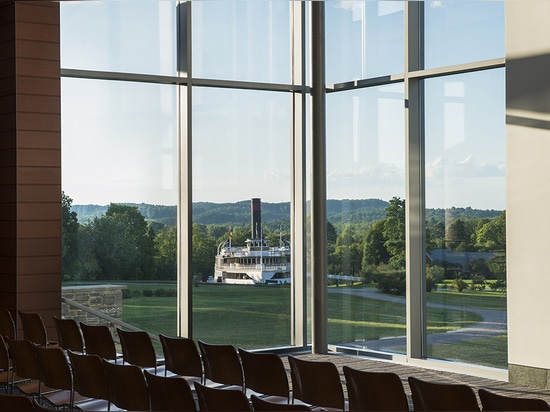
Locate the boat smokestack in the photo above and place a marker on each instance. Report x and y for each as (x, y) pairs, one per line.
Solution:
(256, 218)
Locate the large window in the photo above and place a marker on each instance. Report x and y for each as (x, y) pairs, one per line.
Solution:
(465, 212)
(366, 218)
(185, 152)
(241, 255)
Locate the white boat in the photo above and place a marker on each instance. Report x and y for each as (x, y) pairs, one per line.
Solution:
(257, 261)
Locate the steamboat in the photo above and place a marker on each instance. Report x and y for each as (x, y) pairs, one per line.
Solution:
(256, 261)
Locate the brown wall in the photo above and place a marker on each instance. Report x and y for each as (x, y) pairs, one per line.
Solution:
(30, 159)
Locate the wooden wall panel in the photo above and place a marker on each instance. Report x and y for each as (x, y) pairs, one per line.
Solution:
(30, 158)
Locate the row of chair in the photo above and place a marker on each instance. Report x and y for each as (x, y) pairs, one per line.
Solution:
(262, 376)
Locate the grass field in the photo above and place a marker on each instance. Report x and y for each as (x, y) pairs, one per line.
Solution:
(259, 316)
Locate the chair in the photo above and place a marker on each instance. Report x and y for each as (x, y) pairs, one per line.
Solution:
(34, 329)
(127, 386)
(375, 391)
(98, 340)
(56, 374)
(182, 358)
(491, 401)
(431, 396)
(222, 365)
(69, 334)
(19, 403)
(261, 404)
(5, 364)
(7, 325)
(265, 373)
(316, 383)
(218, 399)
(90, 380)
(137, 349)
(25, 366)
(169, 393)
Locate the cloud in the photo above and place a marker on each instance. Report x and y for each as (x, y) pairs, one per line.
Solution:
(466, 168)
(436, 4)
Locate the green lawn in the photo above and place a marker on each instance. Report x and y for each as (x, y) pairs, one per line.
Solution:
(259, 316)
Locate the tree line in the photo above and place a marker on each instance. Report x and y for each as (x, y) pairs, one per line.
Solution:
(122, 244)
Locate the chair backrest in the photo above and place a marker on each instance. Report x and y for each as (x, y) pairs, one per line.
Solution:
(55, 371)
(375, 391)
(25, 364)
(127, 386)
(137, 348)
(432, 396)
(68, 334)
(221, 363)
(89, 375)
(181, 356)
(316, 383)
(491, 401)
(7, 325)
(5, 364)
(260, 404)
(56, 374)
(33, 328)
(19, 403)
(169, 393)
(218, 399)
(98, 340)
(264, 373)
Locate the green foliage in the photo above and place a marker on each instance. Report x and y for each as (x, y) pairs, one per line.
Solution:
(459, 284)
(69, 238)
(394, 232)
(147, 293)
(392, 282)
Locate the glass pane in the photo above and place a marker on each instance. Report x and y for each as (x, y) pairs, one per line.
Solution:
(363, 39)
(466, 233)
(120, 178)
(241, 262)
(242, 40)
(463, 31)
(119, 36)
(365, 208)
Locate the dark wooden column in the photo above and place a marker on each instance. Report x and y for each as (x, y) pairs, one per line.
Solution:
(30, 159)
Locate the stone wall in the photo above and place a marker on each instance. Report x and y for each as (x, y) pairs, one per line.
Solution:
(103, 298)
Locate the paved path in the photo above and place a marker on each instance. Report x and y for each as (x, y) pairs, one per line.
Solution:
(493, 323)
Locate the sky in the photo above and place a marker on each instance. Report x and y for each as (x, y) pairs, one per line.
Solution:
(120, 138)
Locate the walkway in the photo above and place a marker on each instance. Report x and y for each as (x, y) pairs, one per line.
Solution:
(493, 324)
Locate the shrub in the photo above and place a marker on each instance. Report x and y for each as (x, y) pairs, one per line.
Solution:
(126, 293)
(136, 293)
(392, 282)
(147, 293)
(459, 284)
(160, 293)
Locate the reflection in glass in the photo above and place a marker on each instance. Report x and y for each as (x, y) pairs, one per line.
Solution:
(118, 36)
(465, 218)
(364, 39)
(365, 207)
(241, 150)
(459, 32)
(119, 142)
(242, 40)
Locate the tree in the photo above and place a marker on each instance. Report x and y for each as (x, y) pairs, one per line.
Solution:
(166, 256)
(374, 249)
(69, 238)
(491, 236)
(123, 244)
(348, 252)
(394, 232)
(204, 251)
